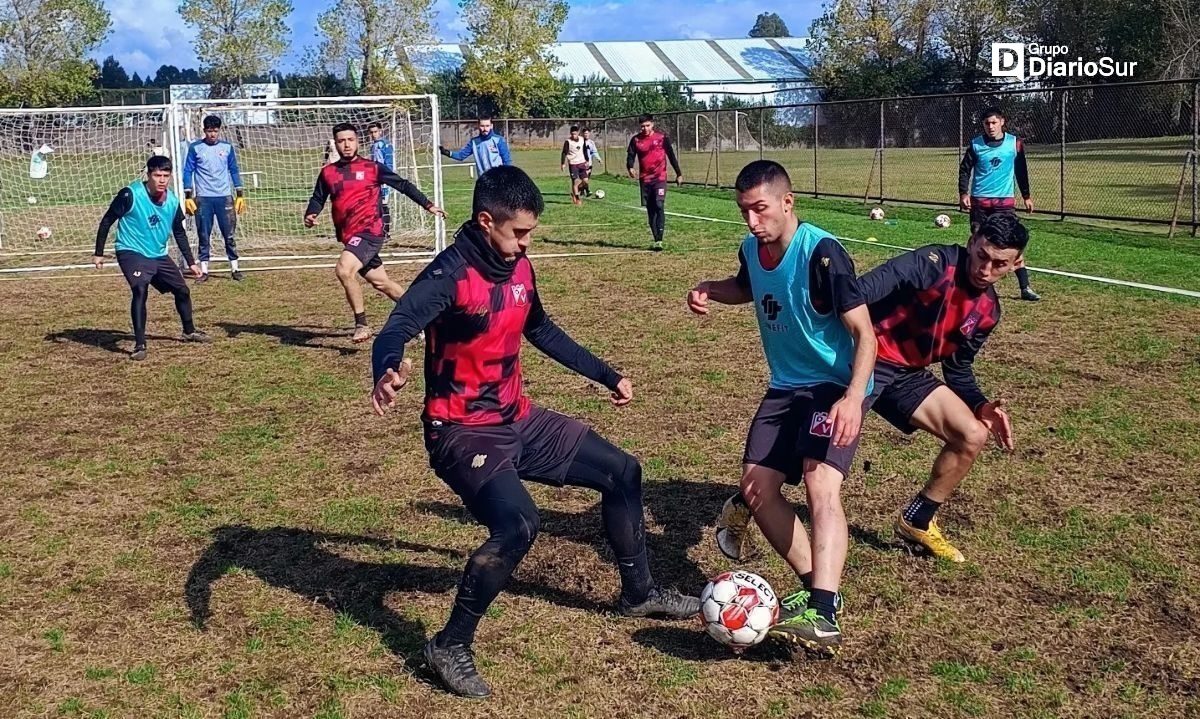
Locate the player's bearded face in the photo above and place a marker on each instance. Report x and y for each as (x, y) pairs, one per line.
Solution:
(159, 181)
(511, 237)
(485, 126)
(347, 144)
(647, 128)
(989, 263)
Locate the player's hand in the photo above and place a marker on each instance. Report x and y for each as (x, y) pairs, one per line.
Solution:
(679, 180)
(964, 201)
(189, 206)
(562, 168)
(443, 150)
(697, 299)
(1029, 205)
(846, 418)
(98, 261)
(998, 422)
(630, 171)
(310, 220)
(623, 394)
(435, 210)
(239, 205)
(384, 394)
(196, 271)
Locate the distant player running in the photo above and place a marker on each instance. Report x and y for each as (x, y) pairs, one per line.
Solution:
(817, 338)
(147, 214)
(593, 157)
(477, 299)
(383, 153)
(934, 304)
(653, 150)
(985, 179)
(213, 190)
(489, 148)
(575, 159)
(354, 185)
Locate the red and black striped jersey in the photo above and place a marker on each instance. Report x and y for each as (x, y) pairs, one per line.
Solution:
(925, 310)
(355, 185)
(652, 152)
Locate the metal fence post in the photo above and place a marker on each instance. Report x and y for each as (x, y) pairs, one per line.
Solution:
(816, 147)
(960, 126)
(881, 152)
(1195, 147)
(717, 161)
(604, 140)
(1062, 154)
(762, 135)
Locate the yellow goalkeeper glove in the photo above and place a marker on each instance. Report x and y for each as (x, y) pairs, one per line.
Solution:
(189, 205)
(239, 205)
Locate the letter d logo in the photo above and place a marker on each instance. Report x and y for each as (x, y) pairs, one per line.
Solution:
(1008, 60)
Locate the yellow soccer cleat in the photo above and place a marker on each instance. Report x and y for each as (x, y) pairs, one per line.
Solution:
(931, 539)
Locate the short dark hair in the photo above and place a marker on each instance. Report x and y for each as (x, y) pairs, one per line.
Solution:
(759, 173)
(646, 118)
(211, 122)
(344, 127)
(992, 112)
(574, 128)
(484, 117)
(158, 162)
(504, 191)
(374, 125)
(1004, 230)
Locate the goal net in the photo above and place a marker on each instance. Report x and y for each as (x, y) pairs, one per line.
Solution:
(59, 169)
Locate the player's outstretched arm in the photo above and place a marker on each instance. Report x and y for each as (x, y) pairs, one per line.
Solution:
(729, 291)
(550, 339)
(121, 204)
(408, 189)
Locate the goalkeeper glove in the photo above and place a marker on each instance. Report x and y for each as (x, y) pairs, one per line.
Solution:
(443, 150)
(189, 203)
(239, 203)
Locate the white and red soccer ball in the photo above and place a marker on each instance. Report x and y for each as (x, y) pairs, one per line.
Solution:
(738, 608)
(877, 213)
(941, 221)
(43, 233)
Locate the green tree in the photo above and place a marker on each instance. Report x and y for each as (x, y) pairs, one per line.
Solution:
(44, 46)
(966, 29)
(112, 74)
(769, 24)
(509, 56)
(236, 39)
(370, 37)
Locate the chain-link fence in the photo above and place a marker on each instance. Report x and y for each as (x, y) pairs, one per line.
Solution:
(1125, 152)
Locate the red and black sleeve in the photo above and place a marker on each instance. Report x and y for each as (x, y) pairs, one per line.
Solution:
(431, 293)
(319, 195)
(406, 188)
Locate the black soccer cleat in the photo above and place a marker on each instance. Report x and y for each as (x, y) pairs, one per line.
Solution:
(138, 353)
(237, 276)
(663, 603)
(455, 666)
(197, 336)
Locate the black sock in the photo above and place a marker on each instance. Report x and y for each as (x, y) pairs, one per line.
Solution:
(806, 580)
(459, 629)
(920, 511)
(824, 602)
(360, 319)
(636, 582)
(1023, 278)
(183, 305)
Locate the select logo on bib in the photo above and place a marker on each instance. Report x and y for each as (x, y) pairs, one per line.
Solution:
(821, 426)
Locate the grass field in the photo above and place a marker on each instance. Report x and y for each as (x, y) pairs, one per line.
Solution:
(226, 531)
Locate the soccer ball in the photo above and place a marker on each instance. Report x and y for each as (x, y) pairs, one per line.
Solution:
(32, 200)
(877, 213)
(738, 608)
(599, 194)
(942, 221)
(43, 233)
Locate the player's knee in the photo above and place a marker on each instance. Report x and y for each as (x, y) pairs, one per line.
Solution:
(758, 487)
(182, 293)
(627, 479)
(971, 437)
(344, 272)
(523, 531)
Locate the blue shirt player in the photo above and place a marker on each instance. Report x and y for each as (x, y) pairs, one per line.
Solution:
(992, 162)
(212, 189)
(384, 153)
(820, 348)
(147, 214)
(489, 149)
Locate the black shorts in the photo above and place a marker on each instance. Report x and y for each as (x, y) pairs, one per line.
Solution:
(158, 272)
(578, 172)
(791, 426)
(899, 391)
(654, 193)
(366, 248)
(539, 447)
(982, 208)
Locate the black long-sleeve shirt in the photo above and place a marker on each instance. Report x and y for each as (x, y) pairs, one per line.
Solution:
(971, 159)
(120, 206)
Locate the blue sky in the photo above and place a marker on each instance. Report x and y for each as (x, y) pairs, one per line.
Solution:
(149, 33)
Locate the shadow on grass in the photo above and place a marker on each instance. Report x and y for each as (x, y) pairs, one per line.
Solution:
(103, 339)
(294, 336)
(692, 644)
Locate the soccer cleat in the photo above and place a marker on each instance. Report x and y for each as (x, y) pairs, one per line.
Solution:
(931, 539)
(138, 353)
(810, 630)
(657, 246)
(202, 278)
(796, 603)
(362, 333)
(1029, 295)
(665, 603)
(455, 666)
(735, 536)
(196, 336)
(237, 276)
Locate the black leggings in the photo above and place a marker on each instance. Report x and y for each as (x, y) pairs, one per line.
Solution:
(137, 310)
(504, 506)
(654, 197)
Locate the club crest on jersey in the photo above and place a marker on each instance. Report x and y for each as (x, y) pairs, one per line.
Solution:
(520, 296)
(821, 426)
(933, 257)
(359, 175)
(968, 326)
(353, 241)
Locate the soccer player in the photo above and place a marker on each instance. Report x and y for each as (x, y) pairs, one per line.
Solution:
(383, 153)
(212, 188)
(653, 151)
(354, 183)
(985, 179)
(146, 214)
(575, 157)
(934, 304)
(488, 147)
(817, 338)
(593, 156)
(476, 300)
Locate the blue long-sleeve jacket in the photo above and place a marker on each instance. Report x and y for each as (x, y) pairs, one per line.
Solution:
(211, 170)
(490, 150)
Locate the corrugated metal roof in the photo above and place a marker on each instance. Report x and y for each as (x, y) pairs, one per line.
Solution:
(697, 60)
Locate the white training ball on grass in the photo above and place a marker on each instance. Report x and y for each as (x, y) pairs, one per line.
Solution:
(43, 233)
(877, 213)
(32, 200)
(942, 221)
(599, 194)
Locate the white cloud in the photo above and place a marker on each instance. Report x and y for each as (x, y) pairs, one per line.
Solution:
(146, 34)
